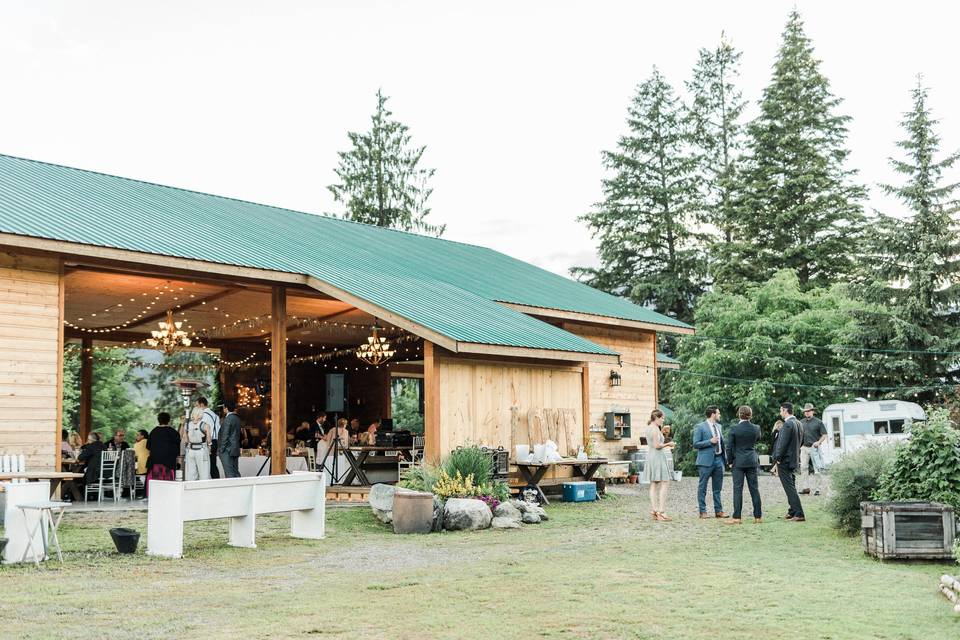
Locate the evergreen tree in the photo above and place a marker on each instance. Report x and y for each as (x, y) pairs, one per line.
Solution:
(799, 208)
(916, 258)
(382, 182)
(716, 132)
(649, 249)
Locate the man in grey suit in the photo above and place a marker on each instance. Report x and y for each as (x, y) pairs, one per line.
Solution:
(742, 456)
(228, 444)
(708, 441)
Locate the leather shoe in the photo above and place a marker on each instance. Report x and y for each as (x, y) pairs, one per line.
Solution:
(720, 514)
(805, 492)
(788, 517)
(798, 519)
(733, 521)
(704, 516)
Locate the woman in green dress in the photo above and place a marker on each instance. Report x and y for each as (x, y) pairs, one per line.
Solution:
(657, 470)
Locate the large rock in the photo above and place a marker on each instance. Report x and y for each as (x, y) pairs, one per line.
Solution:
(381, 500)
(466, 514)
(504, 523)
(507, 510)
(531, 518)
(527, 507)
(437, 514)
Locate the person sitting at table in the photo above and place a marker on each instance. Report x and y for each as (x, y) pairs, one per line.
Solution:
(369, 437)
(303, 431)
(76, 442)
(319, 427)
(119, 441)
(66, 451)
(90, 456)
(141, 452)
(164, 446)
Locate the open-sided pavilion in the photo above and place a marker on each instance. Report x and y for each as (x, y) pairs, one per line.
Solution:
(98, 260)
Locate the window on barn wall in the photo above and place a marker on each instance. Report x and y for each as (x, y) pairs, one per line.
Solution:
(406, 396)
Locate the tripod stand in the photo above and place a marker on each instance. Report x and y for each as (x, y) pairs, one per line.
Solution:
(333, 467)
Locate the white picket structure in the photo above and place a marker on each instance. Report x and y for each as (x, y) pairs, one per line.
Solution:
(302, 494)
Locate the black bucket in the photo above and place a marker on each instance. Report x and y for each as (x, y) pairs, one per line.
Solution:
(125, 539)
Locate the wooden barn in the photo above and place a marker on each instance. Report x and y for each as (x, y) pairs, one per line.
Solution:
(507, 352)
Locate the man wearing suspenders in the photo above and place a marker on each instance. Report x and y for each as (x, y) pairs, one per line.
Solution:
(213, 422)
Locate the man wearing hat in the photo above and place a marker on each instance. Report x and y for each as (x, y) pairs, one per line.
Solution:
(814, 434)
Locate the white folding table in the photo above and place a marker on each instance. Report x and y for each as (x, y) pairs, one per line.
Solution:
(46, 524)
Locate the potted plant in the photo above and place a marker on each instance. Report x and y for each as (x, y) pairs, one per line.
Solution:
(125, 539)
(633, 473)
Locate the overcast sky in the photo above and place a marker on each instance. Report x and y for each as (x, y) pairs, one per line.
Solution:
(514, 100)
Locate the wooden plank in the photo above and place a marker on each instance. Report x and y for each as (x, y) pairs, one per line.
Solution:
(431, 404)
(524, 352)
(58, 389)
(86, 387)
(278, 381)
(593, 318)
(585, 403)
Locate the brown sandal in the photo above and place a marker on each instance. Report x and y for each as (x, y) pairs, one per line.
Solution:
(662, 517)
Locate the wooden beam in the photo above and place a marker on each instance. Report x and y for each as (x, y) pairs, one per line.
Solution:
(431, 405)
(86, 387)
(524, 352)
(656, 375)
(60, 341)
(595, 319)
(278, 381)
(183, 307)
(585, 400)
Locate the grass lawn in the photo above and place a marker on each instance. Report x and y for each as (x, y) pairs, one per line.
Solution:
(593, 571)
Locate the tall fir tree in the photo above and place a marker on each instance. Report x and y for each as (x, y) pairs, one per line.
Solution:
(916, 261)
(799, 207)
(649, 249)
(717, 132)
(381, 180)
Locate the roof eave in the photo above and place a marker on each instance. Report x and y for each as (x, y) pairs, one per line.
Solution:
(561, 314)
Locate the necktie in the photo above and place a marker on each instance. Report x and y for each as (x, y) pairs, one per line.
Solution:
(716, 434)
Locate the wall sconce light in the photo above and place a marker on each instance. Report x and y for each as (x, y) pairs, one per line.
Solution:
(615, 379)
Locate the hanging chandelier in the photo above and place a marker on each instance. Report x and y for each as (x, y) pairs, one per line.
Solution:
(376, 350)
(169, 337)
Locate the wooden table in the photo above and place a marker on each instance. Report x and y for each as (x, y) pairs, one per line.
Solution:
(356, 463)
(533, 472)
(55, 478)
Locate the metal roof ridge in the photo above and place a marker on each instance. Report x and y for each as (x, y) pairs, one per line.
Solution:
(324, 215)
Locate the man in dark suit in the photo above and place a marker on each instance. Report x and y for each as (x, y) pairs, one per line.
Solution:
(228, 443)
(742, 456)
(786, 455)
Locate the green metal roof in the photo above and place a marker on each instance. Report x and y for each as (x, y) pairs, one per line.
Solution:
(663, 358)
(449, 287)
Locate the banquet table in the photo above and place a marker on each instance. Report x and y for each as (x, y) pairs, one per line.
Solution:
(254, 465)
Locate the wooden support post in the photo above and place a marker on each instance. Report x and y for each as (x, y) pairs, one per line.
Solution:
(278, 381)
(431, 404)
(86, 387)
(585, 403)
(60, 346)
(656, 375)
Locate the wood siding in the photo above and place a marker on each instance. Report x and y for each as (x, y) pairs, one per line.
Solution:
(638, 390)
(30, 359)
(502, 404)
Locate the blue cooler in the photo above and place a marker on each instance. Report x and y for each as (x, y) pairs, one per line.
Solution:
(579, 491)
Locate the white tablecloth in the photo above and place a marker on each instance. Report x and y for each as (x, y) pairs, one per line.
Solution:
(250, 466)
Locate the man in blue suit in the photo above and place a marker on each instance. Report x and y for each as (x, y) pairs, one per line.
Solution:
(708, 441)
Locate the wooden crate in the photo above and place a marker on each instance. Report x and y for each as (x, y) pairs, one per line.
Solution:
(908, 530)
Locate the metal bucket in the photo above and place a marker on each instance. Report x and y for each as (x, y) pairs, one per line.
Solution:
(413, 512)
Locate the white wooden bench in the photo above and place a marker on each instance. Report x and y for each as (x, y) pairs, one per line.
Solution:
(171, 504)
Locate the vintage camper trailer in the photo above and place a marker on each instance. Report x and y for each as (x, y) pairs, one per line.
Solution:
(852, 425)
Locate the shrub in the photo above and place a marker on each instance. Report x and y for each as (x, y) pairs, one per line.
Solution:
(457, 486)
(469, 461)
(853, 479)
(684, 455)
(419, 478)
(927, 466)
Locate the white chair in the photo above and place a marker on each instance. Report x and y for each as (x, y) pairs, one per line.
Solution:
(108, 471)
(126, 458)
